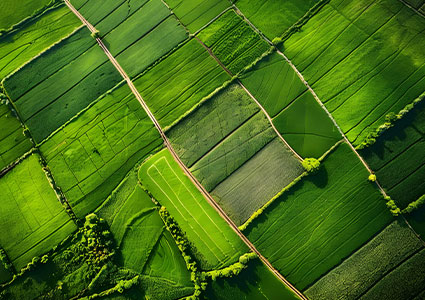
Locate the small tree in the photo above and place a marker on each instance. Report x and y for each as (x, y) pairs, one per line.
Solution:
(311, 165)
(372, 177)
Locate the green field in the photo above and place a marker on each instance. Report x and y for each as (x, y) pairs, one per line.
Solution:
(143, 37)
(257, 181)
(350, 52)
(233, 41)
(179, 82)
(11, 13)
(228, 130)
(94, 152)
(417, 220)
(32, 220)
(216, 244)
(335, 210)
(254, 283)
(274, 17)
(195, 14)
(17, 47)
(363, 270)
(295, 112)
(145, 245)
(398, 158)
(13, 142)
(64, 92)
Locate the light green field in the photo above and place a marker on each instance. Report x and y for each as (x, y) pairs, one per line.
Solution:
(19, 46)
(195, 14)
(13, 13)
(13, 142)
(144, 36)
(32, 220)
(336, 210)
(369, 265)
(274, 17)
(398, 158)
(363, 59)
(179, 82)
(70, 84)
(254, 283)
(233, 41)
(92, 154)
(257, 181)
(216, 244)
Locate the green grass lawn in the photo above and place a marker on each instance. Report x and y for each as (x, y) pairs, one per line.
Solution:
(32, 220)
(216, 244)
(336, 211)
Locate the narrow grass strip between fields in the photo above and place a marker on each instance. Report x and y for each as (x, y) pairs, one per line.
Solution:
(175, 156)
(412, 8)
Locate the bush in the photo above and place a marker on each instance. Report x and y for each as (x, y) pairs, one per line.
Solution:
(372, 177)
(311, 165)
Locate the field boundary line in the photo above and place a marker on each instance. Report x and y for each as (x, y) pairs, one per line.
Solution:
(316, 97)
(252, 97)
(167, 143)
(412, 8)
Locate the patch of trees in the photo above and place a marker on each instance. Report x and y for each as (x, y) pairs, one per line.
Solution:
(415, 205)
(311, 165)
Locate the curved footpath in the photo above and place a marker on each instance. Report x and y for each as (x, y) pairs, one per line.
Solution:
(176, 157)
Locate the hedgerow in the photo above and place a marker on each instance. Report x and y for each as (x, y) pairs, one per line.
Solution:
(414, 205)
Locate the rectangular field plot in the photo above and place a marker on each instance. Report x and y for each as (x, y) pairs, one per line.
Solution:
(220, 135)
(363, 59)
(137, 33)
(197, 13)
(398, 158)
(93, 153)
(274, 17)
(18, 47)
(145, 245)
(179, 82)
(295, 112)
(32, 220)
(383, 255)
(320, 220)
(216, 244)
(233, 41)
(256, 282)
(13, 142)
(12, 13)
(257, 181)
(71, 75)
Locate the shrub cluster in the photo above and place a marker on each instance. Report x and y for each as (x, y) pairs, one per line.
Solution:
(390, 120)
(415, 205)
(311, 165)
(392, 206)
(232, 270)
(5, 261)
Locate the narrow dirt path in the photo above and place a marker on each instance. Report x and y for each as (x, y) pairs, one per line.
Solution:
(167, 143)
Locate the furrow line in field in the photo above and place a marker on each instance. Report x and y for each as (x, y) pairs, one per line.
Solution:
(252, 97)
(206, 195)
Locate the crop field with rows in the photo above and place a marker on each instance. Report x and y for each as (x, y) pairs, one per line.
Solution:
(212, 149)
